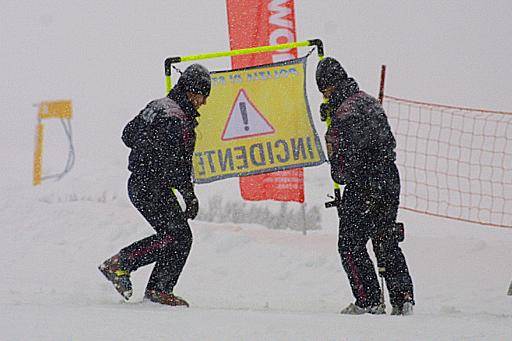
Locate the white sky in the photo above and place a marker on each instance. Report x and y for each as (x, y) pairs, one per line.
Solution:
(456, 52)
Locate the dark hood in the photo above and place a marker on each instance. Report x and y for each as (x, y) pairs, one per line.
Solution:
(343, 90)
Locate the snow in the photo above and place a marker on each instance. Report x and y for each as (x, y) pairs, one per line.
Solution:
(242, 281)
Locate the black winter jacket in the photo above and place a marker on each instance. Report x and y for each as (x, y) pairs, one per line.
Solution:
(162, 140)
(359, 140)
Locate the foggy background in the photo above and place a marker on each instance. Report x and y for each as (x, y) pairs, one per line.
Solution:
(107, 57)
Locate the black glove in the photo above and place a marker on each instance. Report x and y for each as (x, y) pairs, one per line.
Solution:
(192, 206)
(325, 111)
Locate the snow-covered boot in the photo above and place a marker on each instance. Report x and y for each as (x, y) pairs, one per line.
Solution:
(164, 298)
(353, 309)
(406, 308)
(397, 310)
(379, 309)
(113, 270)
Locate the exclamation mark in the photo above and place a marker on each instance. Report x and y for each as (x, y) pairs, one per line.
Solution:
(243, 111)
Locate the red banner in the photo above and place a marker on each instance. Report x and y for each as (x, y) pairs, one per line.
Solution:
(254, 23)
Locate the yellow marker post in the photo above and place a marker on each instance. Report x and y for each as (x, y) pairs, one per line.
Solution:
(48, 109)
(38, 155)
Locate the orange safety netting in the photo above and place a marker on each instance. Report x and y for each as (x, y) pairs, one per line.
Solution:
(454, 162)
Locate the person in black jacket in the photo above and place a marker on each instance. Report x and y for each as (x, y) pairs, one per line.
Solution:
(361, 150)
(162, 139)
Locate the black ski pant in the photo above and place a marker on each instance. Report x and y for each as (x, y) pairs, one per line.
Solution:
(368, 211)
(171, 244)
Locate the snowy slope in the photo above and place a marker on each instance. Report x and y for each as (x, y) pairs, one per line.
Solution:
(243, 281)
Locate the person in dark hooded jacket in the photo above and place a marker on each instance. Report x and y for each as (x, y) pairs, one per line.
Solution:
(361, 150)
(162, 140)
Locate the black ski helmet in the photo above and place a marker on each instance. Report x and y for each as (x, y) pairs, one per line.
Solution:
(196, 79)
(329, 72)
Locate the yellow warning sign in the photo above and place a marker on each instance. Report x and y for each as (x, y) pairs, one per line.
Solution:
(257, 120)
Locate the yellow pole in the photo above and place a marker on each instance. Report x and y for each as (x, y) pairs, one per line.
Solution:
(258, 49)
(38, 155)
(168, 83)
(249, 50)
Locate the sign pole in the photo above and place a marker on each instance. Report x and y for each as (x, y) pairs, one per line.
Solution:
(172, 60)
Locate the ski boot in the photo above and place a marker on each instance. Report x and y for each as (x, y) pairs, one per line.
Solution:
(353, 309)
(115, 273)
(164, 298)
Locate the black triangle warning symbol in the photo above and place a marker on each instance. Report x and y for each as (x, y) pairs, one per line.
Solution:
(245, 120)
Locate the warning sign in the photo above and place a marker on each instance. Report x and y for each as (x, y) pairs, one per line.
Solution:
(245, 120)
(257, 120)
